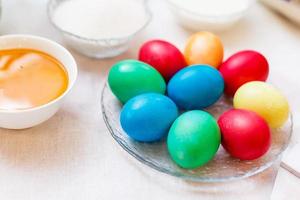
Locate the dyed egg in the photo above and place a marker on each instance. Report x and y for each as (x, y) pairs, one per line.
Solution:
(245, 135)
(243, 67)
(148, 117)
(204, 48)
(263, 99)
(130, 78)
(163, 56)
(194, 139)
(196, 87)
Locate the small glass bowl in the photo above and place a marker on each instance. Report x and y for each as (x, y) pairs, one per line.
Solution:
(97, 48)
(197, 21)
(222, 168)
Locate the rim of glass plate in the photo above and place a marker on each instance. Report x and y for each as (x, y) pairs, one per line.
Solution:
(192, 178)
(50, 11)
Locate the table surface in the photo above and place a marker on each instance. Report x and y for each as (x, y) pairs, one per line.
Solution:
(73, 156)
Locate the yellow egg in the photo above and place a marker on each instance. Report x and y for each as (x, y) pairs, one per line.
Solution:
(265, 100)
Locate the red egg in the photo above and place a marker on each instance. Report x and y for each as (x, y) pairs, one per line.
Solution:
(243, 67)
(163, 56)
(245, 135)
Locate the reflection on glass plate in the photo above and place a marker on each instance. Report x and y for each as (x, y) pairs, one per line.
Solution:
(222, 168)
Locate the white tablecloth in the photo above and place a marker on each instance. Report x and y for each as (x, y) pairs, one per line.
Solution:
(72, 156)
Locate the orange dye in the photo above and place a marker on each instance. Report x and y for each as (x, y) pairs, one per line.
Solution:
(29, 78)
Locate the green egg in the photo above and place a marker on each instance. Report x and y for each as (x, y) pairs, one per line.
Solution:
(194, 139)
(129, 78)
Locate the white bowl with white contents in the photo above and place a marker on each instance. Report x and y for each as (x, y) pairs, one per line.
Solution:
(213, 15)
(20, 119)
(99, 28)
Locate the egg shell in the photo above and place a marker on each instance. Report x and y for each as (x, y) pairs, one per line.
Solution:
(196, 87)
(265, 100)
(148, 117)
(163, 56)
(243, 67)
(193, 139)
(204, 48)
(245, 135)
(129, 78)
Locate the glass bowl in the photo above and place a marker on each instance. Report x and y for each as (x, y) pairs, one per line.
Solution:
(97, 48)
(221, 169)
(197, 21)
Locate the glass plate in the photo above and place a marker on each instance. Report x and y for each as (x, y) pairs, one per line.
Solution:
(222, 168)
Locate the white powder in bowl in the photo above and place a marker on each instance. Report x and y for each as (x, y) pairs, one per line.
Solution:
(213, 7)
(212, 15)
(100, 19)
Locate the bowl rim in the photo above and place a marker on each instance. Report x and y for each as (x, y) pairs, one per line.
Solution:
(70, 84)
(212, 16)
(126, 37)
(191, 178)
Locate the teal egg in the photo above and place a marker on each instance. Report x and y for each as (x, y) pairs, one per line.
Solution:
(193, 139)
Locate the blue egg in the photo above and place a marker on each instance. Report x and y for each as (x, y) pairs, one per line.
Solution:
(196, 87)
(148, 117)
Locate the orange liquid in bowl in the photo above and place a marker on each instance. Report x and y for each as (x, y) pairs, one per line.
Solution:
(29, 78)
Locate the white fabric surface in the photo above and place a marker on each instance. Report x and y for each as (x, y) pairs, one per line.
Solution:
(72, 156)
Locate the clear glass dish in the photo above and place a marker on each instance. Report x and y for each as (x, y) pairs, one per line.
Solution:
(96, 48)
(222, 168)
(197, 21)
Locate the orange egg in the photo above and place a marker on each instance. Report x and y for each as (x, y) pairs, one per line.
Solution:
(204, 48)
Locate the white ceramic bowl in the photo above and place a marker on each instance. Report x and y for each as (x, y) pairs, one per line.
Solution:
(20, 119)
(197, 21)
